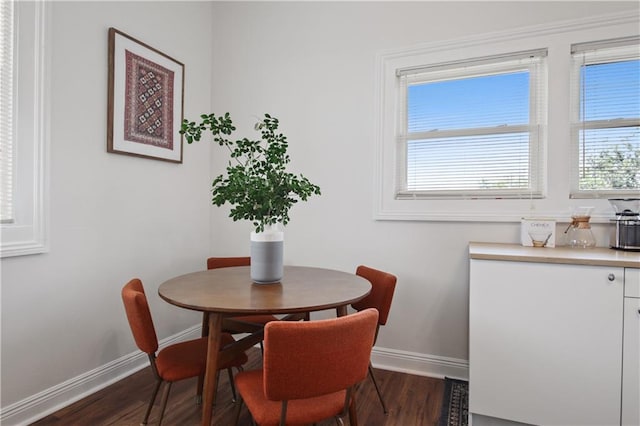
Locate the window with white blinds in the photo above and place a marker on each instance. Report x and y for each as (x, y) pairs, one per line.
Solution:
(606, 118)
(24, 112)
(473, 128)
(6, 111)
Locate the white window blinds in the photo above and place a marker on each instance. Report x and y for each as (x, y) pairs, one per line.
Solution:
(473, 129)
(6, 111)
(606, 118)
(24, 126)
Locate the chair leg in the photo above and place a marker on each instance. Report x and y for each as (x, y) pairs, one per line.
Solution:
(165, 398)
(215, 398)
(199, 389)
(153, 398)
(375, 383)
(233, 386)
(238, 408)
(353, 414)
(283, 412)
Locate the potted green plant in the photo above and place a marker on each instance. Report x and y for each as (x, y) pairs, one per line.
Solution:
(257, 185)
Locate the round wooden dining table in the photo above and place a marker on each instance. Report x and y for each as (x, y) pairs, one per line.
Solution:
(225, 292)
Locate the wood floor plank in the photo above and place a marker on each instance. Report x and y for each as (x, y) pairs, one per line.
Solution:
(412, 401)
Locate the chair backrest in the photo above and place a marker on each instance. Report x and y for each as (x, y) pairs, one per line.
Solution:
(383, 284)
(226, 262)
(139, 316)
(313, 358)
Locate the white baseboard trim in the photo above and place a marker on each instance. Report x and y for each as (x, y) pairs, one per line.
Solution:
(420, 364)
(53, 399)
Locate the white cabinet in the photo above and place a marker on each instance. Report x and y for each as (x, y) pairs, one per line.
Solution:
(545, 342)
(631, 350)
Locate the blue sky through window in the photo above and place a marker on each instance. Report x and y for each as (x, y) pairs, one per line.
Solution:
(609, 91)
(441, 161)
(612, 90)
(484, 101)
(468, 162)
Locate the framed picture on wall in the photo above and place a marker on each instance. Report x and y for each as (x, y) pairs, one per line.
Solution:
(145, 100)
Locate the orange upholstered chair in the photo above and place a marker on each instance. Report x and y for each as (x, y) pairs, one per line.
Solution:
(310, 369)
(175, 362)
(383, 285)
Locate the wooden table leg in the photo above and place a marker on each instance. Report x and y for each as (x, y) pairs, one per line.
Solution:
(205, 324)
(211, 376)
(205, 333)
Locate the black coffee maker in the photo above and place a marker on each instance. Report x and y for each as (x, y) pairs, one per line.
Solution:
(626, 233)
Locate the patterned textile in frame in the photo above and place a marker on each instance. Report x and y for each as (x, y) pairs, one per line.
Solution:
(148, 102)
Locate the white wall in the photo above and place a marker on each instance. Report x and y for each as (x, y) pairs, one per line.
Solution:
(113, 217)
(312, 65)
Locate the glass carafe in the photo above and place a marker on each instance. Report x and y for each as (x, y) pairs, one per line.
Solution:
(579, 233)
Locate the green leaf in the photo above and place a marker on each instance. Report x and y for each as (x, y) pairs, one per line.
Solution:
(256, 185)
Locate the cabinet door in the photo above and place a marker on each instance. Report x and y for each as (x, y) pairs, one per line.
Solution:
(545, 342)
(631, 363)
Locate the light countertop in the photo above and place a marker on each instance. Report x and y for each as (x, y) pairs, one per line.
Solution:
(598, 256)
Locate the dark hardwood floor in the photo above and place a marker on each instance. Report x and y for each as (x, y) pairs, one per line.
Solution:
(411, 400)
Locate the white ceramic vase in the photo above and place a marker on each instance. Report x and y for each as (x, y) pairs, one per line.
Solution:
(267, 250)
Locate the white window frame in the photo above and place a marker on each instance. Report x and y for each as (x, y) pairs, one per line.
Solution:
(557, 37)
(587, 54)
(27, 233)
(534, 63)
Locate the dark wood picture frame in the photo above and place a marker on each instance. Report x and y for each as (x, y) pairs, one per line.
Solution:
(145, 100)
